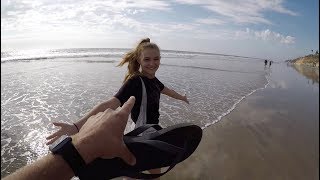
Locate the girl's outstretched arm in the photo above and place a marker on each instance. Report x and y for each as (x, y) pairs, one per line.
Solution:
(113, 103)
(173, 94)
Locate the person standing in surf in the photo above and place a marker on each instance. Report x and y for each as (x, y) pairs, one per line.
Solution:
(140, 82)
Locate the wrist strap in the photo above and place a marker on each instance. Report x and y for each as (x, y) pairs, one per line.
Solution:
(74, 159)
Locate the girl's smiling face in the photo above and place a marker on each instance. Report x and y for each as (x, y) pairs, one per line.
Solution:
(150, 62)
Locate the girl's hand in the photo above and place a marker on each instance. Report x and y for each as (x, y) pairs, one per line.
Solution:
(69, 129)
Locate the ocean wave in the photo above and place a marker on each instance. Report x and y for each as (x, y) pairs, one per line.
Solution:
(209, 68)
(27, 59)
(29, 55)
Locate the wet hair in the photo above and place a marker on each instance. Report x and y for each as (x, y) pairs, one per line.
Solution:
(134, 55)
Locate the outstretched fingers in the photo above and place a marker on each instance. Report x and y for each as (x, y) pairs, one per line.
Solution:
(52, 140)
(56, 133)
(53, 135)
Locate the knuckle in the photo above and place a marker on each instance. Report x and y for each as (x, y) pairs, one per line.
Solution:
(121, 114)
(108, 110)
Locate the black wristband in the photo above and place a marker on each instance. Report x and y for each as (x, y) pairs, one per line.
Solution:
(74, 159)
(64, 147)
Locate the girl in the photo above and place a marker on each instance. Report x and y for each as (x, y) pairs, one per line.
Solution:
(141, 82)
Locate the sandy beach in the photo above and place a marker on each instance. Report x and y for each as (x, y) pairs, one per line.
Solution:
(272, 134)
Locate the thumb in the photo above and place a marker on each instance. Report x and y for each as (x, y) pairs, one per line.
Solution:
(127, 156)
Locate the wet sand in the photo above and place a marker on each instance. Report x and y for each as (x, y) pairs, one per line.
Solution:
(272, 134)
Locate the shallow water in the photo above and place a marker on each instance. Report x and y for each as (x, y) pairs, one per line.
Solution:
(272, 134)
(34, 93)
(311, 73)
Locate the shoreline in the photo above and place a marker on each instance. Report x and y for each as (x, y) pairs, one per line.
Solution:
(271, 134)
(235, 105)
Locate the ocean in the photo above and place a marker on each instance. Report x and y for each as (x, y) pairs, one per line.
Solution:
(42, 86)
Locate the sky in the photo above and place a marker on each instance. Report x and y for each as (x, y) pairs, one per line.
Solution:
(271, 29)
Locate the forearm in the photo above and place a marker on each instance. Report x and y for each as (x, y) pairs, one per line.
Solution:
(49, 167)
(113, 103)
(54, 166)
(99, 108)
(175, 95)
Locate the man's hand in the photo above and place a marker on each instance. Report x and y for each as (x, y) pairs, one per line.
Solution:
(102, 135)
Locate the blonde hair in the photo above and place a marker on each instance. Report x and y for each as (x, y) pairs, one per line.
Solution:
(133, 56)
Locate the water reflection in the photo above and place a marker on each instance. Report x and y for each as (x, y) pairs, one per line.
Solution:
(312, 73)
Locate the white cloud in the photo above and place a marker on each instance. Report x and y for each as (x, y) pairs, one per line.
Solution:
(95, 23)
(210, 21)
(67, 17)
(107, 16)
(287, 40)
(23, 15)
(242, 11)
(265, 35)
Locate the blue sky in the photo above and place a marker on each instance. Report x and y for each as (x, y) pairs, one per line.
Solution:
(273, 29)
